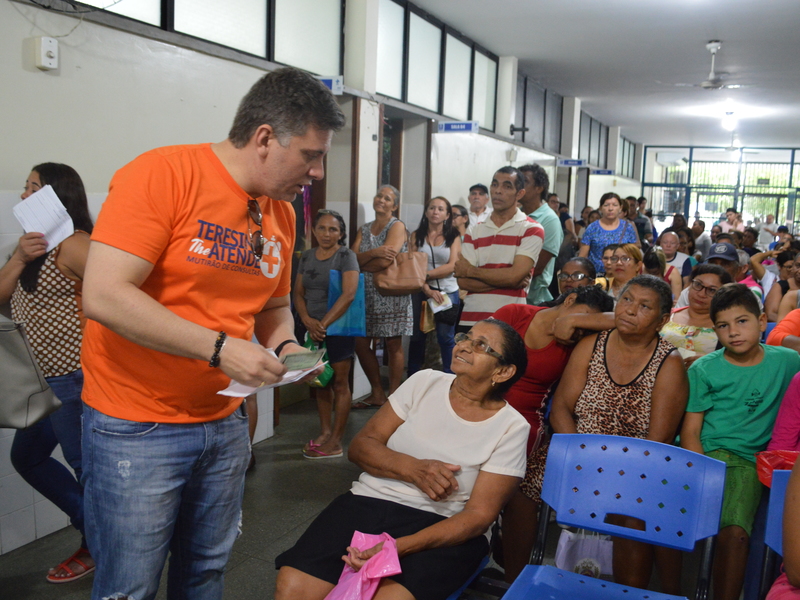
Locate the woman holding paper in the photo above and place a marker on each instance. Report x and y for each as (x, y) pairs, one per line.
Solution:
(43, 285)
(311, 304)
(437, 238)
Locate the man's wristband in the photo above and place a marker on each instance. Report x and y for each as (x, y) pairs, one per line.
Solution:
(218, 346)
(283, 343)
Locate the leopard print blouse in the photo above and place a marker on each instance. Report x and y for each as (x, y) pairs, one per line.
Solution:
(605, 407)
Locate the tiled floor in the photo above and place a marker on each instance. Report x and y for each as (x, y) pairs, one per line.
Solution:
(283, 494)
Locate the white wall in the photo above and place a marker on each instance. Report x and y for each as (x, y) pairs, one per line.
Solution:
(600, 184)
(460, 160)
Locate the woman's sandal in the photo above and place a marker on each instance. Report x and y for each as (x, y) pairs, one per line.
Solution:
(71, 575)
(360, 405)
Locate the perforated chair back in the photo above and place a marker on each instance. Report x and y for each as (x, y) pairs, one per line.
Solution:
(773, 535)
(676, 492)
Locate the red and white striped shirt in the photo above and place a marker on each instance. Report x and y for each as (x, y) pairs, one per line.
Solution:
(491, 247)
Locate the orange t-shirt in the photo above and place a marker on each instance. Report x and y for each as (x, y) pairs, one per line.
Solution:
(179, 209)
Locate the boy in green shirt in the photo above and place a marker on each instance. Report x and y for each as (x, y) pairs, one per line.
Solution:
(734, 396)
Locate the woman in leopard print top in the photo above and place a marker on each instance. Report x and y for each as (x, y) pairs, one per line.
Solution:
(630, 382)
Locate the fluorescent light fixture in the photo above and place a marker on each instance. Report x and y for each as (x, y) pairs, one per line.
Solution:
(729, 121)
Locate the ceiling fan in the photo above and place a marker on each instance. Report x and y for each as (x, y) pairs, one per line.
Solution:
(715, 79)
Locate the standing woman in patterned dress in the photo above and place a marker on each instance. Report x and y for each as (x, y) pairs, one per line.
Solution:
(44, 287)
(631, 382)
(388, 317)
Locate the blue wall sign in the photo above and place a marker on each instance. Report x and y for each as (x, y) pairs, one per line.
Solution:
(459, 127)
(572, 162)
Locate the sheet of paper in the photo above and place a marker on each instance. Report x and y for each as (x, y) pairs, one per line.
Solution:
(237, 389)
(446, 303)
(42, 211)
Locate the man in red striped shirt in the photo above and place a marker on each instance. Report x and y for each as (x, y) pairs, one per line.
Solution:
(497, 256)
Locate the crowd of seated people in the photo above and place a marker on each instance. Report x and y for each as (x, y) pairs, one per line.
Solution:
(649, 335)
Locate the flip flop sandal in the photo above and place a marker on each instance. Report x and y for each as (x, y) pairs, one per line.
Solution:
(71, 575)
(319, 455)
(363, 405)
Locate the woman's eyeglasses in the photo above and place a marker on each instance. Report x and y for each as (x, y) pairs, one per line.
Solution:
(699, 287)
(479, 346)
(615, 259)
(571, 276)
(325, 211)
(256, 237)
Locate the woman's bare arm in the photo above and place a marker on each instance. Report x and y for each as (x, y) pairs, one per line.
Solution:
(573, 380)
(669, 398)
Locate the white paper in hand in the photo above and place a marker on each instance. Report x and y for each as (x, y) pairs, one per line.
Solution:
(42, 211)
(445, 304)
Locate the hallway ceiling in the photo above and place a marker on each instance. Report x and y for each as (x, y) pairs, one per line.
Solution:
(612, 54)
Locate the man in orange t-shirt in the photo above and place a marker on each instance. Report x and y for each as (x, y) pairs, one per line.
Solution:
(190, 257)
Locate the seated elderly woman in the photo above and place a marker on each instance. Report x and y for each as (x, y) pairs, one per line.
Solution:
(630, 382)
(440, 460)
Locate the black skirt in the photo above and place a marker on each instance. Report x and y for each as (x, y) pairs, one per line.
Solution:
(429, 575)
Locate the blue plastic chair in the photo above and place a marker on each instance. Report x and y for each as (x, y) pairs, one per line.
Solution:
(767, 331)
(773, 534)
(676, 492)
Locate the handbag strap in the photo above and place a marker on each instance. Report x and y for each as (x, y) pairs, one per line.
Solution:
(433, 260)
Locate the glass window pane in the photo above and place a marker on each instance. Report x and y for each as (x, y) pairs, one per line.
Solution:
(457, 65)
(534, 114)
(583, 136)
(602, 161)
(391, 20)
(632, 160)
(321, 24)
(594, 143)
(552, 121)
(424, 52)
(483, 91)
(240, 24)
(623, 160)
(148, 11)
(519, 106)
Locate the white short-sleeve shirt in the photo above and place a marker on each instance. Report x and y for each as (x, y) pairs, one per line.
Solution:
(432, 430)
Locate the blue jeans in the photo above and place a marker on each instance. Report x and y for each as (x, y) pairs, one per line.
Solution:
(154, 488)
(32, 448)
(444, 335)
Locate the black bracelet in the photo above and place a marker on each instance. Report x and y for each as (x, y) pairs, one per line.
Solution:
(218, 346)
(283, 343)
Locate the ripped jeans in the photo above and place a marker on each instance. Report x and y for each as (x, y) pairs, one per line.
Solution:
(153, 488)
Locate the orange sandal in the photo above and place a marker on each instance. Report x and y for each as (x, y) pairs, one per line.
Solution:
(71, 575)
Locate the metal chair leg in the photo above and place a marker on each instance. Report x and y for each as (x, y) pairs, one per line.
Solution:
(537, 556)
(706, 564)
(767, 572)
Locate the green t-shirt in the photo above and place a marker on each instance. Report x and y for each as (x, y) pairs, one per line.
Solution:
(740, 403)
(553, 236)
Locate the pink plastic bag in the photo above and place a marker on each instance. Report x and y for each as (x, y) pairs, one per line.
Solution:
(362, 584)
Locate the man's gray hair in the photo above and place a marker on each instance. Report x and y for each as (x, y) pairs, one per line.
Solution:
(744, 257)
(289, 100)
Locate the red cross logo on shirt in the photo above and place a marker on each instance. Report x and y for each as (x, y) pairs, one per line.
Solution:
(271, 258)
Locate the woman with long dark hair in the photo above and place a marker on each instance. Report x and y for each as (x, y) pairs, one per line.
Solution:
(437, 238)
(43, 285)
